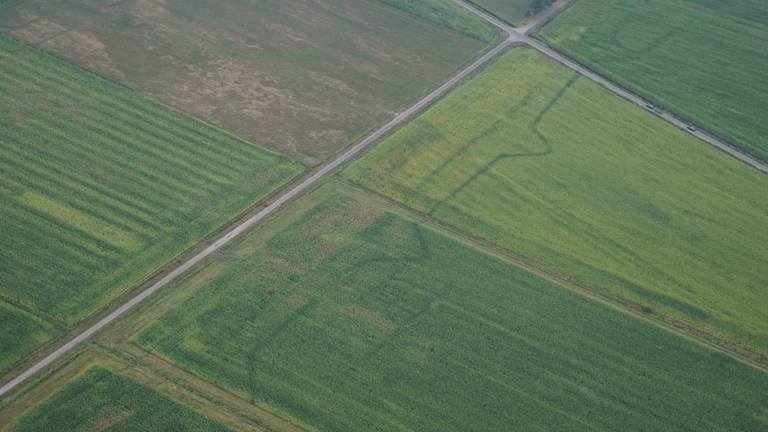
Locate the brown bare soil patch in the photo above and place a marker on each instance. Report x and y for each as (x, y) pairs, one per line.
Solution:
(305, 78)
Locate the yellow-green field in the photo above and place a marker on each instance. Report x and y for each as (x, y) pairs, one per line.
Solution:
(100, 187)
(703, 59)
(556, 169)
(348, 316)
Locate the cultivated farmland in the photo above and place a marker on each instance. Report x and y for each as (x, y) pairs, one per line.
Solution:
(305, 78)
(450, 14)
(555, 169)
(100, 399)
(513, 11)
(350, 317)
(20, 332)
(99, 187)
(703, 59)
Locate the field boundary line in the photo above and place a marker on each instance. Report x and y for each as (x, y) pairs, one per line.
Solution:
(189, 382)
(281, 200)
(521, 35)
(633, 308)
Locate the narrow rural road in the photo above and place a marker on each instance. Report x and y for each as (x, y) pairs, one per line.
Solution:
(514, 35)
(248, 223)
(520, 34)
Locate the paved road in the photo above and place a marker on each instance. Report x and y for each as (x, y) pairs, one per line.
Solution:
(248, 223)
(514, 35)
(520, 34)
(704, 136)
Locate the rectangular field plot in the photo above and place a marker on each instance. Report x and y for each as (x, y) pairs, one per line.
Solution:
(553, 167)
(99, 186)
(303, 77)
(703, 59)
(102, 400)
(349, 317)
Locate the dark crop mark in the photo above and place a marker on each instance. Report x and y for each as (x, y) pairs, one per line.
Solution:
(252, 362)
(533, 126)
(513, 110)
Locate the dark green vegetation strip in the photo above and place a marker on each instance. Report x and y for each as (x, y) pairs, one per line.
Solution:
(304, 77)
(556, 169)
(513, 11)
(101, 399)
(450, 14)
(703, 59)
(20, 332)
(352, 318)
(99, 186)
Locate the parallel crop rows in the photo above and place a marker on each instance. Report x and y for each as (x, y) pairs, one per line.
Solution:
(100, 186)
(350, 318)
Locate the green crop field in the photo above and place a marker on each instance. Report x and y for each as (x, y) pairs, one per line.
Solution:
(450, 14)
(99, 186)
(553, 167)
(703, 59)
(350, 317)
(20, 332)
(513, 11)
(303, 77)
(102, 400)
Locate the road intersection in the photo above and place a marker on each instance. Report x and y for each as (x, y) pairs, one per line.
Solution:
(514, 36)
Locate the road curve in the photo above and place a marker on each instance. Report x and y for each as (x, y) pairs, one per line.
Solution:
(248, 223)
(520, 34)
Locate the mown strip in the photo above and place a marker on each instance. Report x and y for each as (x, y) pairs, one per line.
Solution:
(350, 317)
